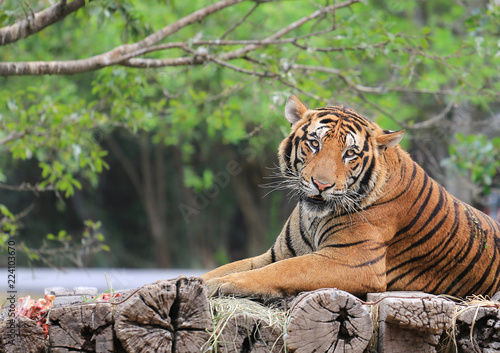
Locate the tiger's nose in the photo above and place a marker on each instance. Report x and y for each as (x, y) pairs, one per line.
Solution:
(319, 185)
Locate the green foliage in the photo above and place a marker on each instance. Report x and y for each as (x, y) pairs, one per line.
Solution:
(475, 157)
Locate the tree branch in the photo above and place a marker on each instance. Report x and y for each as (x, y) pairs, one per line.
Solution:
(367, 89)
(287, 29)
(38, 21)
(27, 187)
(112, 57)
(126, 54)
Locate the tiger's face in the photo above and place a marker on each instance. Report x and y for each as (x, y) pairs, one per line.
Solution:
(333, 157)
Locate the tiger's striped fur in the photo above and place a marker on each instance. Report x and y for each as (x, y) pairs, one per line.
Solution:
(369, 219)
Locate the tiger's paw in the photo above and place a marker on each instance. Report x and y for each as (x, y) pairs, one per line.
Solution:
(222, 286)
(237, 286)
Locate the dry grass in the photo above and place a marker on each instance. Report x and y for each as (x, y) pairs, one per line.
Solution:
(223, 308)
(470, 303)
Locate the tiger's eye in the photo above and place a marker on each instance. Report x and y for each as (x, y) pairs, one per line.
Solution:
(349, 153)
(314, 143)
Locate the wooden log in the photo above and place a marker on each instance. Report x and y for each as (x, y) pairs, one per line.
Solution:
(66, 296)
(250, 334)
(21, 335)
(411, 321)
(328, 320)
(482, 325)
(166, 316)
(81, 327)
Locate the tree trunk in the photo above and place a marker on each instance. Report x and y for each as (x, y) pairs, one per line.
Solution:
(154, 180)
(252, 207)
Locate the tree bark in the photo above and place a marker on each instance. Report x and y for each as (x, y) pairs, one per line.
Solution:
(153, 191)
(38, 21)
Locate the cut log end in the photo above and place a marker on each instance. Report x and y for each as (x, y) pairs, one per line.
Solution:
(166, 316)
(20, 334)
(328, 320)
(250, 333)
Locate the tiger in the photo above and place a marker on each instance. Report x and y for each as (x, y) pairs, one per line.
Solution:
(368, 219)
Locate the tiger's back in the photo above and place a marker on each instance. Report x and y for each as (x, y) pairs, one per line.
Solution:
(441, 245)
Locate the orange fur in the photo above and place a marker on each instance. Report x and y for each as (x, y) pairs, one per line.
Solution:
(369, 219)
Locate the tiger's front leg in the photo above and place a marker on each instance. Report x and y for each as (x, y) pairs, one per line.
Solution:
(304, 273)
(239, 266)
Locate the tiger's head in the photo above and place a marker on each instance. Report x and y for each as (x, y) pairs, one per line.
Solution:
(334, 158)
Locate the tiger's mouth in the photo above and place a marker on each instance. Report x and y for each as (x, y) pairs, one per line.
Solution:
(316, 199)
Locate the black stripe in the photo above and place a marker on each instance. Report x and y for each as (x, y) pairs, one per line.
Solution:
(288, 238)
(417, 258)
(364, 183)
(351, 129)
(366, 146)
(405, 187)
(483, 278)
(288, 153)
(302, 231)
(345, 224)
(273, 254)
(419, 212)
(324, 113)
(444, 247)
(296, 143)
(435, 212)
(370, 262)
(472, 236)
(326, 121)
(497, 276)
(345, 245)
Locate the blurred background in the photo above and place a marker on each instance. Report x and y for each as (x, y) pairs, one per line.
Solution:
(158, 159)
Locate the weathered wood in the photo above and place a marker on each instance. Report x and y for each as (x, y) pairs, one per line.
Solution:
(250, 334)
(411, 321)
(21, 335)
(482, 324)
(166, 316)
(87, 328)
(328, 320)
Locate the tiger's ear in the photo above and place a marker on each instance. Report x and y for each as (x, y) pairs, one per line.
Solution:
(294, 109)
(389, 138)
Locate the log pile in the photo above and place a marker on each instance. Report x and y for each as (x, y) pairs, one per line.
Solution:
(177, 316)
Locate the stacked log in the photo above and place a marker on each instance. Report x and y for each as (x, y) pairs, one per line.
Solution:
(478, 328)
(177, 316)
(21, 335)
(86, 328)
(166, 316)
(411, 321)
(328, 320)
(250, 334)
